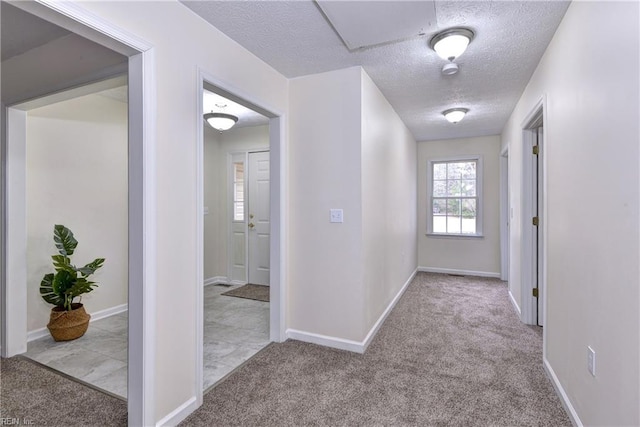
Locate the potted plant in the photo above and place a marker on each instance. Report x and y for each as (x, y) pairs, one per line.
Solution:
(68, 319)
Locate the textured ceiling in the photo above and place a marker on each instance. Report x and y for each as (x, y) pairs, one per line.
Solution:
(295, 38)
(21, 31)
(367, 24)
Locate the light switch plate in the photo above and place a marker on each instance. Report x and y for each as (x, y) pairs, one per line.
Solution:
(591, 361)
(206, 210)
(336, 215)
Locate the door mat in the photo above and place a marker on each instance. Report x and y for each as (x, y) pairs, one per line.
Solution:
(250, 291)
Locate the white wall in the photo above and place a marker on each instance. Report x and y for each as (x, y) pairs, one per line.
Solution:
(388, 202)
(77, 176)
(350, 151)
(178, 56)
(590, 79)
(463, 254)
(218, 146)
(326, 266)
(215, 254)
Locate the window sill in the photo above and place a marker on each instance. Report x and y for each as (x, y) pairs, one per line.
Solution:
(456, 236)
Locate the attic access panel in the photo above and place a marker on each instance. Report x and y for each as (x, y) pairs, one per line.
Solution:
(368, 23)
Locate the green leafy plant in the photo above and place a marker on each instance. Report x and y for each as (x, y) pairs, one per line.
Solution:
(68, 281)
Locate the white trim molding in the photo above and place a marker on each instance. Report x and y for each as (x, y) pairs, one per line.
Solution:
(326, 341)
(98, 315)
(528, 304)
(505, 214)
(216, 280)
(459, 272)
(479, 197)
(278, 194)
(351, 345)
(516, 307)
(142, 192)
(564, 399)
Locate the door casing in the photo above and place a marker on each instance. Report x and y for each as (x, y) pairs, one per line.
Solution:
(142, 193)
(532, 122)
(277, 185)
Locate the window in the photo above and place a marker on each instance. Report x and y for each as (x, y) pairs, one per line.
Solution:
(455, 187)
(238, 191)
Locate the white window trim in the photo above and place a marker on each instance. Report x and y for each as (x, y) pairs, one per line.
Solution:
(479, 195)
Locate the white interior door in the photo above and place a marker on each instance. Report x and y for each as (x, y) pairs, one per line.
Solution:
(259, 225)
(238, 230)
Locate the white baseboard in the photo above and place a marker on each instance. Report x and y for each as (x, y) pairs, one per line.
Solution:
(102, 314)
(215, 280)
(573, 415)
(350, 345)
(326, 341)
(459, 272)
(237, 282)
(515, 304)
(179, 414)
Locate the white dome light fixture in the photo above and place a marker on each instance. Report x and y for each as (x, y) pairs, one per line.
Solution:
(220, 121)
(454, 115)
(450, 44)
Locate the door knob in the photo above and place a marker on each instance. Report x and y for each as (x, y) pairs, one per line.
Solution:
(251, 225)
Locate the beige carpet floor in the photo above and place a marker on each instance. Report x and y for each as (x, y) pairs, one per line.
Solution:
(452, 353)
(38, 396)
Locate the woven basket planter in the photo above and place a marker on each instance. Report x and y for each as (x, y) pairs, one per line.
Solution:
(68, 325)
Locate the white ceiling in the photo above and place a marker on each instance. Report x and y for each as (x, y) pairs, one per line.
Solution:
(297, 39)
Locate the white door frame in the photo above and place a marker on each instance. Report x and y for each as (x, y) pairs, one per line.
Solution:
(142, 203)
(535, 118)
(277, 183)
(505, 214)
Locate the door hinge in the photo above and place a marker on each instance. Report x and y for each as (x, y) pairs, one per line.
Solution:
(536, 150)
(535, 292)
(536, 221)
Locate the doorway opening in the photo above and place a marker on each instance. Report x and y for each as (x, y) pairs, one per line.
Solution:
(533, 249)
(79, 144)
(249, 181)
(236, 169)
(139, 67)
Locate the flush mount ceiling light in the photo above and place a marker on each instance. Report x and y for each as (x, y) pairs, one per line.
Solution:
(220, 121)
(450, 44)
(454, 115)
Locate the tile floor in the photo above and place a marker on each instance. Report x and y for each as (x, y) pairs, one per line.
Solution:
(234, 330)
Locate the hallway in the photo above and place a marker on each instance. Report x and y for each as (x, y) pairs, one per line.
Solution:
(452, 352)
